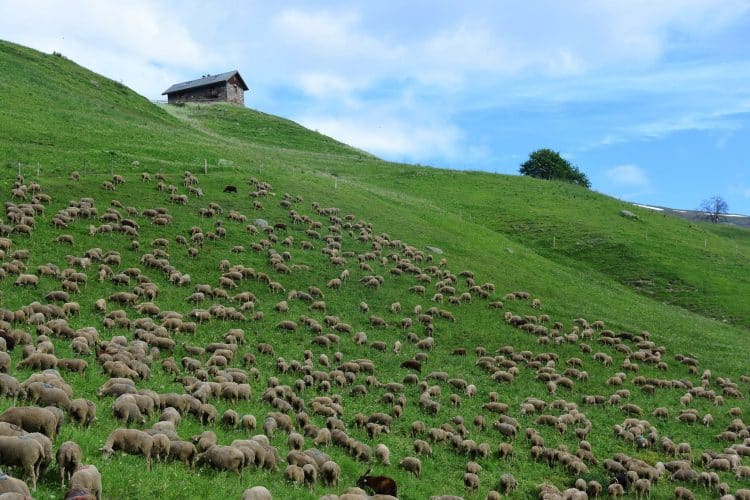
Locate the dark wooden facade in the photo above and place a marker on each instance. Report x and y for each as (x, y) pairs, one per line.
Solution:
(226, 87)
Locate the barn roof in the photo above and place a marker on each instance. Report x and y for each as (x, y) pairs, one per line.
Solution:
(205, 82)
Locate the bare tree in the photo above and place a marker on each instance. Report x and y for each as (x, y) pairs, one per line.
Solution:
(714, 208)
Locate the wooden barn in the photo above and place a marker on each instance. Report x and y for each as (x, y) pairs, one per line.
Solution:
(226, 87)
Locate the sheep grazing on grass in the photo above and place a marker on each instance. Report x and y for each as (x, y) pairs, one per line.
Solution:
(257, 493)
(24, 452)
(412, 464)
(222, 457)
(130, 441)
(330, 473)
(86, 478)
(68, 457)
(32, 419)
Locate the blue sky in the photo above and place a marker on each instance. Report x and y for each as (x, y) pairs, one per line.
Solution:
(651, 99)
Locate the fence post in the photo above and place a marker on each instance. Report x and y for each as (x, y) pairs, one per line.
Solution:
(37, 170)
(205, 166)
(19, 169)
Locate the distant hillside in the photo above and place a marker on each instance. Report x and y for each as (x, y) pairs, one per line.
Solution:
(63, 114)
(698, 216)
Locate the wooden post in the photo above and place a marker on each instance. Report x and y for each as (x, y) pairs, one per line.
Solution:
(554, 242)
(205, 166)
(37, 170)
(705, 243)
(19, 169)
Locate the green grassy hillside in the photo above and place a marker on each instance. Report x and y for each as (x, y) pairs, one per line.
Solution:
(565, 246)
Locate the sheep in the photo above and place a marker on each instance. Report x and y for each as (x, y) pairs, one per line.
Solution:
(32, 419)
(295, 474)
(27, 280)
(508, 484)
(184, 451)
(223, 458)
(383, 454)
(330, 472)
(12, 486)
(471, 482)
(82, 411)
(161, 446)
(412, 464)
(126, 409)
(257, 493)
(130, 441)
(23, 451)
(68, 458)
(422, 447)
(88, 478)
(683, 493)
(205, 440)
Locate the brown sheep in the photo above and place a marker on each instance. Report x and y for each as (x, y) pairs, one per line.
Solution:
(257, 493)
(88, 478)
(223, 458)
(412, 464)
(82, 411)
(330, 473)
(161, 446)
(184, 451)
(31, 419)
(11, 485)
(130, 441)
(508, 484)
(68, 458)
(22, 451)
(683, 493)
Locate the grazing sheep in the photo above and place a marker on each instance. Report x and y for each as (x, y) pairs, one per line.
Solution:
(22, 451)
(88, 478)
(12, 486)
(68, 458)
(32, 419)
(184, 451)
(161, 446)
(412, 464)
(683, 493)
(222, 457)
(508, 484)
(130, 441)
(383, 454)
(205, 440)
(82, 411)
(257, 493)
(471, 482)
(330, 472)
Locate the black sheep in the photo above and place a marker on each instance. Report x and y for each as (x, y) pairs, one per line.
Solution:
(230, 189)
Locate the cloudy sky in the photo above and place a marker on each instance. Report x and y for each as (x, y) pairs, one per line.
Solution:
(650, 98)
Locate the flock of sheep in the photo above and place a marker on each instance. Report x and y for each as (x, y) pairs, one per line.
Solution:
(307, 393)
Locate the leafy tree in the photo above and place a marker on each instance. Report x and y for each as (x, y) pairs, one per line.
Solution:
(548, 164)
(714, 208)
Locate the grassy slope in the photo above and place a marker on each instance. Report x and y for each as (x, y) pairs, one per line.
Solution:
(468, 215)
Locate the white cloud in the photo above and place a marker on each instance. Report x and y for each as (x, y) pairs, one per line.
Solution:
(140, 43)
(629, 176)
(389, 136)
